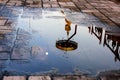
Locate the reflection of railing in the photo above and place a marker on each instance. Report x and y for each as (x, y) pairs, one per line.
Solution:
(115, 43)
(110, 39)
(97, 32)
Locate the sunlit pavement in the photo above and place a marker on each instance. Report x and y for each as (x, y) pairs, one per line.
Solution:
(107, 11)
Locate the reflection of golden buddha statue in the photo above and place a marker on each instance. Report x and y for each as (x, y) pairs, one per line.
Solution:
(67, 44)
(67, 26)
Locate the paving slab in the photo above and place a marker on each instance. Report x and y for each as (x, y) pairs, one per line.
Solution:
(4, 56)
(110, 75)
(2, 63)
(2, 32)
(2, 22)
(39, 78)
(20, 53)
(73, 78)
(5, 48)
(14, 78)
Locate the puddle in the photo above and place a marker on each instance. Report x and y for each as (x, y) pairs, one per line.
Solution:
(94, 46)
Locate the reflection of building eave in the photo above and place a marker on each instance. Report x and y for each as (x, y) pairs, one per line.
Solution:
(104, 37)
(114, 37)
(116, 54)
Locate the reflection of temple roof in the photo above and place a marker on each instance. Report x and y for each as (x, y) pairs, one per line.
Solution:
(109, 38)
(114, 36)
(66, 46)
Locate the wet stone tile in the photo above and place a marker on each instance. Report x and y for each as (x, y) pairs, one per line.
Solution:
(4, 55)
(67, 78)
(90, 10)
(5, 14)
(55, 6)
(6, 11)
(87, 78)
(2, 63)
(46, 5)
(14, 78)
(6, 27)
(19, 4)
(64, 0)
(25, 31)
(70, 4)
(25, 16)
(21, 53)
(2, 22)
(5, 48)
(11, 24)
(5, 31)
(63, 4)
(14, 16)
(28, 10)
(11, 4)
(110, 75)
(38, 53)
(30, 15)
(7, 43)
(35, 6)
(1, 36)
(22, 42)
(73, 78)
(39, 78)
(10, 37)
(23, 37)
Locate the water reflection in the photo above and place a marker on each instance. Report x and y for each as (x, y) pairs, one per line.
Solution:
(33, 47)
(1, 36)
(67, 26)
(108, 38)
(67, 44)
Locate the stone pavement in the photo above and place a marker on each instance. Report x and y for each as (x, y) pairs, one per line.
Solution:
(47, 78)
(104, 76)
(106, 10)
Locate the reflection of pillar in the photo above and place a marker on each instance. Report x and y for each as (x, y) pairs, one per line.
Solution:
(101, 33)
(103, 36)
(89, 29)
(107, 38)
(117, 48)
(104, 39)
(98, 33)
(92, 30)
(117, 53)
